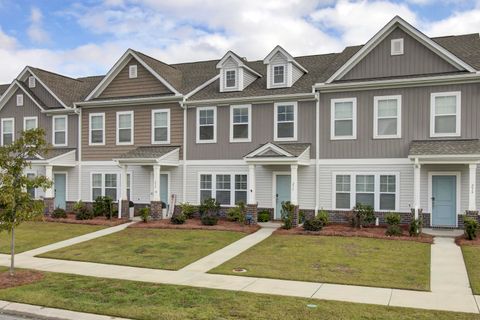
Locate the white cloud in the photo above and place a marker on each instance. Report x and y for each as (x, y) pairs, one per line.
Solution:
(35, 31)
(458, 23)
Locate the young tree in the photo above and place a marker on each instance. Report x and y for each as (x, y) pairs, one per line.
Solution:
(16, 204)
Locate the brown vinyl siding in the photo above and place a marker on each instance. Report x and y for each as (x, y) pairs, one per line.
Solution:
(142, 130)
(415, 121)
(262, 132)
(145, 84)
(417, 59)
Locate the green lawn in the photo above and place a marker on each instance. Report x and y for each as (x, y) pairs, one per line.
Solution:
(471, 255)
(345, 260)
(138, 300)
(149, 248)
(31, 235)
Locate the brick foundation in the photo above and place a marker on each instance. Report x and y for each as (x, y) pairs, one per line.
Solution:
(253, 210)
(49, 204)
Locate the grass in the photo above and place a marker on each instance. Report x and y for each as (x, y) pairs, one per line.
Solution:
(129, 299)
(344, 260)
(148, 248)
(31, 235)
(471, 255)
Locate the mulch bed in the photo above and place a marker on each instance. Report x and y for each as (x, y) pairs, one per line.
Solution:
(339, 230)
(21, 277)
(196, 224)
(462, 241)
(97, 221)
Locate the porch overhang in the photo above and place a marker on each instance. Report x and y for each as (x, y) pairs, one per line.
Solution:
(151, 155)
(459, 151)
(61, 157)
(280, 154)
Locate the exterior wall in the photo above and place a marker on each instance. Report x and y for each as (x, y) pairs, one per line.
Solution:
(262, 132)
(415, 119)
(42, 94)
(145, 84)
(142, 130)
(417, 59)
(72, 180)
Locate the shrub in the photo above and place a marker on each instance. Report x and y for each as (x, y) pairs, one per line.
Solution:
(145, 214)
(263, 216)
(103, 206)
(209, 219)
(471, 227)
(362, 215)
(393, 222)
(209, 209)
(188, 210)
(178, 218)
(313, 224)
(301, 217)
(415, 226)
(82, 212)
(287, 214)
(237, 213)
(323, 215)
(59, 213)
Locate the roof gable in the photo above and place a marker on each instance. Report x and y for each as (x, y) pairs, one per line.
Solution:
(17, 85)
(278, 50)
(230, 57)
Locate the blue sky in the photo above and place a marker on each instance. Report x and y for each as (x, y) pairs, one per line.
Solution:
(80, 38)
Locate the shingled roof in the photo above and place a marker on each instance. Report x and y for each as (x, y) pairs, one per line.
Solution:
(3, 88)
(444, 147)
(148, 152)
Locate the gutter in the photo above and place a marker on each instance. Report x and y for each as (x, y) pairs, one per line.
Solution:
(226, 101)
(124, 102)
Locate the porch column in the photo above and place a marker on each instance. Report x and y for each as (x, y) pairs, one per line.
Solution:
(124, 203)
(156, 209)
(294, 192)
(472, 204)
(49, 199)
(252, 206)
(416, 187)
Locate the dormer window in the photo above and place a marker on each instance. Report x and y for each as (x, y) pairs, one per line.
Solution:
(235, 74)
(132, 71)
(279, 74)
(31, 82)
(397, 47)
(230, 78)
(282, 69)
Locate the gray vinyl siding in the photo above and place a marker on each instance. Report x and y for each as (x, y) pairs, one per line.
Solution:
(42, 94)
(296, 73)
(248, 78)
(262, 132)
(415, 121)
(417, 59)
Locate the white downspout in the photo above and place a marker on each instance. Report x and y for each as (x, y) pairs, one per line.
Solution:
(79, 148)
(184, 176)
(317, 152)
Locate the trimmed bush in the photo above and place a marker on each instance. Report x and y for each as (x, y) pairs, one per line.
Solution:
(471, 227)
(323, 216)
(209, 220)
(263, 216)
(188, 210)
(178, 218)
(361, 215)
(415, 227)
(82, 212)
(209, 209)
(393, 222)
(59, 213)
(287, 214)
(313, 224)
(237, 214)
(145, 214)
(103, 206)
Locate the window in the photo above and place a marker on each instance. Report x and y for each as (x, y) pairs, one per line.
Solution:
(132, 71)
(206, 125)
(279, 74)
(365, 190)
(223, 186)
(125, 127)
(230, 78)
(343, 119)
(397, 47)
(342, 192)
(30, 123)
(388, 189)
(240, 128)
(228, 189)
(445, 114)
(19, 100)
(285, 121)
(161, 126)
(241, 188)
(105, 184)
(97, 129)
(60, 125)
(205, 186)
(31, 191)
(8, 131)
(31, 82)
(387, 117)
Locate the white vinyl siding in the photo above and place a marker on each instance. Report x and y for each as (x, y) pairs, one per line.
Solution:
(445, 114)
(285, 121)
(387, 121)
(161, 126)
(8, 131)
(30, 123)
(241, 123)
(59, 130)
(96, 129)
(206, 125)
(343, 119)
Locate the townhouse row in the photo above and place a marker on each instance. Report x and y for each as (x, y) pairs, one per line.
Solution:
(391, 123)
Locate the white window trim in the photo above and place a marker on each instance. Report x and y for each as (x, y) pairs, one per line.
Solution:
(458, 114)
(54, 130)
(20, 100)
(225, 79)
(376, 99)
(32, 82)
(35, 191)
(272, 70)
(392, 45)
(214, 185)
(214, 140)
(295, 121)
(132, 71)
(13, 128)
(353, 191)
(90, 143)
(132, 128)
(168, 126)
(354, 119)
(25, 119)
(249, 108)
(103, 184)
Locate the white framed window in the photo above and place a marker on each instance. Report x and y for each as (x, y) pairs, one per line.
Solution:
(132, 71)
(285, 121)
(31, 82)
(387, 117)
(279, 74)
(227, 188)
(8, 131)
(206, 124)
(445, 114)
(30, 123)
(60, 130)
(240, 123)
(343, 116)
(396, 47)
(241, 188)
(96, 134)
(230, 78)
(205, 186)
(380, 190)
(125, 127)
(31, 191)
(104, 184)
(19, 100)
(223, 189)
(161, 126)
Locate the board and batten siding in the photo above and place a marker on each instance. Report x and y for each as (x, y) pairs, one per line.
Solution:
(145, 84)
(262, 132)
(142, 130)
(417, 59)
(42, 94)
(415, 121)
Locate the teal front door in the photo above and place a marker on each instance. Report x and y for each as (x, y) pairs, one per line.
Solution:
(283, 188)
(60, 187)
(444, 201)
(164, 188)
